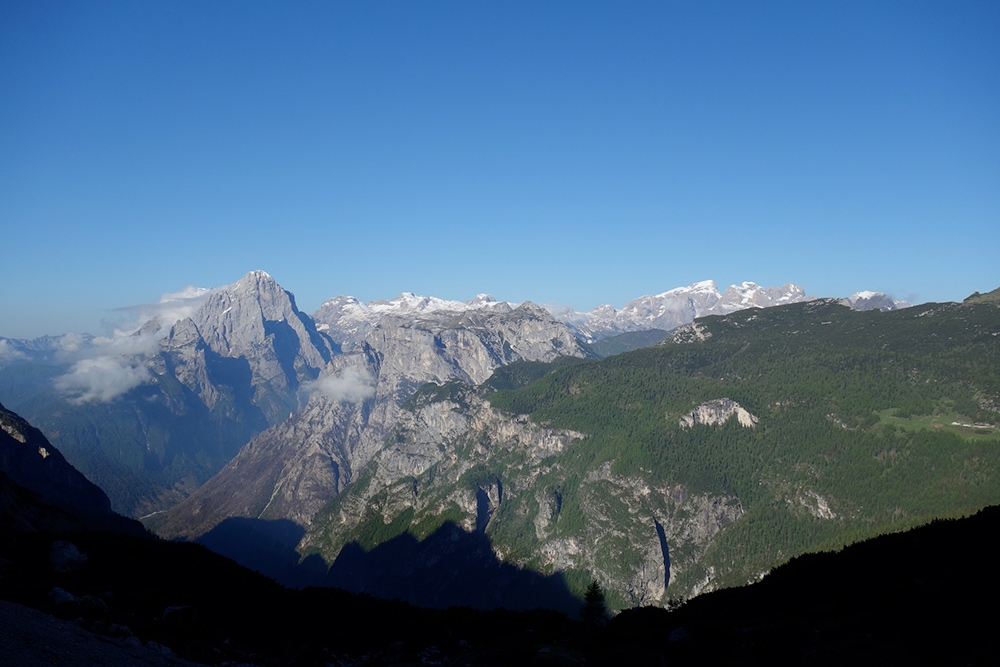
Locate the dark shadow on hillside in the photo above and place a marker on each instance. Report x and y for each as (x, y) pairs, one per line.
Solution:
(450, 568)
(267, 547)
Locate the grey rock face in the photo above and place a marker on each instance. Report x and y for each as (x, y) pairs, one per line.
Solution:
(348, 321)
(291, 470)
(151, 415)
(717, 412)
(251, 325)
(503, 475)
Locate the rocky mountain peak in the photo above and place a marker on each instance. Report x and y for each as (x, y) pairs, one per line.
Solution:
(752, 295)
(532, 309)
(703, 287)
(236, 320)
(255, 321)
(482, 300)
(868, 300)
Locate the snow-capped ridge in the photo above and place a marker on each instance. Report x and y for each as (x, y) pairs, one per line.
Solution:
(676, 307)
(348, 319)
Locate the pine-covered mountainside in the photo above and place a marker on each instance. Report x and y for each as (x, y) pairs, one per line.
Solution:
(739, 442)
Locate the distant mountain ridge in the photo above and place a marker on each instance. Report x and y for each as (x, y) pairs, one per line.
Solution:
(348, 320)
(673, 308)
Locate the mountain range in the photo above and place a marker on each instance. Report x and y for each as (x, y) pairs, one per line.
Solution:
(151, 414)
(288, 441)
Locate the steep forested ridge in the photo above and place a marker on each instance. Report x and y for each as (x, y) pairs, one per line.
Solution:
(866, 422)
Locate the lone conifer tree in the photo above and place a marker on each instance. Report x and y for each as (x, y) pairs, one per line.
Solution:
(594, 611)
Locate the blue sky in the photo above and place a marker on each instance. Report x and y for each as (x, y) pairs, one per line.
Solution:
(568, 152)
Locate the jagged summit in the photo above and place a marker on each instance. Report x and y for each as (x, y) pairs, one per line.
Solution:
(348, 320)
(254, 320)
(679, 306)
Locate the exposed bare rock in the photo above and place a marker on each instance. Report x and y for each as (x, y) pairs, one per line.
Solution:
(294, 468)
(459, 455)
(250, 328)
(690, 333)
(716, 412)
(817, 505)
(348, 321)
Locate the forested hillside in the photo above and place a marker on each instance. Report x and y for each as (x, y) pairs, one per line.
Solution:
(849, 424)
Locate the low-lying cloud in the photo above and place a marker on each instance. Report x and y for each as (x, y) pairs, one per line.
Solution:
(104, 368)
(100, 379)
(351, 386)
(8, 352)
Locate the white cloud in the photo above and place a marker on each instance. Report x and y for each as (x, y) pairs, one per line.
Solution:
(171, 308)
(71, 343)
(100, 379)
(8, 353)
(351, 386)
(104, 368)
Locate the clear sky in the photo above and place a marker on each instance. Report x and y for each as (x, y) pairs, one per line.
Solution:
(564, 152)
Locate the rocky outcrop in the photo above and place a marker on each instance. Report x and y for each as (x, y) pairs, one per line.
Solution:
(717, 412)
(690, 333)
(452, 455)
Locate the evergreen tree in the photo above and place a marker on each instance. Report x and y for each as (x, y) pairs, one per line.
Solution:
(594, 611)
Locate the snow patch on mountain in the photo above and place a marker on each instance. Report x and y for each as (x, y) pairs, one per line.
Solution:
(347, 320)
(677, 307)
(869, 300)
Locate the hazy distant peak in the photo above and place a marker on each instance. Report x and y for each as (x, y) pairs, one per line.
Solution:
(678, 306)
(707, 287)
(870, 300)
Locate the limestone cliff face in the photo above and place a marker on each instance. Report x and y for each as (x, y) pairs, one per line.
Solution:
(459, 458)
(716, 412)
(291, 470)
(249, 335)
